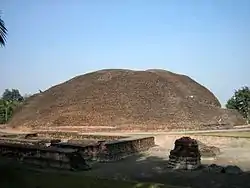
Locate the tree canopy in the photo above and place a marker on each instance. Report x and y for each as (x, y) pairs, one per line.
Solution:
(240, 101)
(10, 100)
(12, 95)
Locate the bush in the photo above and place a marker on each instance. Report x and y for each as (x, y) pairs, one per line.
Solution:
(240, 101)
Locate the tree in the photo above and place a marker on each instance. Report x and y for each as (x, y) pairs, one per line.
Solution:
(3, 33)
(6, 110)
(10, 101)
(240, 101)
(12, 95)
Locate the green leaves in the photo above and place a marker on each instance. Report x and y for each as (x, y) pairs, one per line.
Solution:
(12, 95)
(6, 110)
(241, 102)
(10, 100)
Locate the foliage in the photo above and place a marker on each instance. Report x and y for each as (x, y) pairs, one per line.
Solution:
(12, 95)
(10, 100)
(241, 102)
(3, 32)
(7, 109)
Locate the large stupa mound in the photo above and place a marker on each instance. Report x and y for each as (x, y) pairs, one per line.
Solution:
(149, 99)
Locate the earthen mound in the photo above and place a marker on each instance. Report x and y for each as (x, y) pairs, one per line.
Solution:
(152, 99)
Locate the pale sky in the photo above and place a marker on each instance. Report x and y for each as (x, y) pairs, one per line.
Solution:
(52, 41)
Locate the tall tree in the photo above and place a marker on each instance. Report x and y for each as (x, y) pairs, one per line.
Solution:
(241, 102)
(12, 95)
(7, 109)
(3, 32)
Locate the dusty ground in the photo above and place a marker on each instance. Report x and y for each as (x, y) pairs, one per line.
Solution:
(233, 150)
(151, 165)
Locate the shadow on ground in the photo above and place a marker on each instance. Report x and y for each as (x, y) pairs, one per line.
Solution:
(154, 169)
(135, 168)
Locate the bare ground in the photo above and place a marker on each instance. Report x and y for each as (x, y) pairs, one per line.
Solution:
(152, 165)
(233, 150)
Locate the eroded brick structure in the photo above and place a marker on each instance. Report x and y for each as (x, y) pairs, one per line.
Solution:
(185, 154)
(45, 152)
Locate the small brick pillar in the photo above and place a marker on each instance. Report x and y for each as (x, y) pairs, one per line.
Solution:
(185, 154)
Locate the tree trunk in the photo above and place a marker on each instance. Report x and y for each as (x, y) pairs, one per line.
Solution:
(6, 114)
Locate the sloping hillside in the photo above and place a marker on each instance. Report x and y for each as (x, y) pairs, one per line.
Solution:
(146, 99)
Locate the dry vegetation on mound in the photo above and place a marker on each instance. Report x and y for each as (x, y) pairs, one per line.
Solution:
(148, 99)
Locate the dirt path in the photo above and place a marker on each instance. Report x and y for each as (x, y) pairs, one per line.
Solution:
(6, 129)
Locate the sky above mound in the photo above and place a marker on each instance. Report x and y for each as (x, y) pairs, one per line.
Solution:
(52, 41)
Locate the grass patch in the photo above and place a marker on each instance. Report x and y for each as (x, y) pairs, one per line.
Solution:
(236, 134)
(19, 177)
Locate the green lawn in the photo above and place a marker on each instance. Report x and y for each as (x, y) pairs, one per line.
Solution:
(16, 177)
(239, 134)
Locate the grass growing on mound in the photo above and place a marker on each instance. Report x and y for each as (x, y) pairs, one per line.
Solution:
(18, 177)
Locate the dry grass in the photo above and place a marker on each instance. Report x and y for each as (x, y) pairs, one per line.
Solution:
(239, 134)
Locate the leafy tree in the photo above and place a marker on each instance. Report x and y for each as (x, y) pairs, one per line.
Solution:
(10, 100)
(12, 95)
(241, 102)
(6, 110)
(3, 33)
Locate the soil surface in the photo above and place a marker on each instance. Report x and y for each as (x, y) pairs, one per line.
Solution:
(151, 166)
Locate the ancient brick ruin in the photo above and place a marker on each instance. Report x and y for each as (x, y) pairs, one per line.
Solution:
(48, 149)
(185, 154)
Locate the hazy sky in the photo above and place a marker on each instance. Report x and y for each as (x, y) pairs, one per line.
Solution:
(51, 41)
